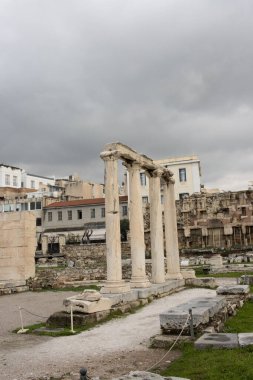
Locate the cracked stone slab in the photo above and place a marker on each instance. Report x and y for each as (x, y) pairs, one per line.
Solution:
(217, 340)
(245, 339)
(202, 310)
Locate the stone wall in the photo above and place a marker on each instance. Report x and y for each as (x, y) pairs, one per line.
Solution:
(212, 221)
(80, 263)
(17, 245)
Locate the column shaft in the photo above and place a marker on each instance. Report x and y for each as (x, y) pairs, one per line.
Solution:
(156, 229)
(138, 278)
(114, 283)
(171, 237)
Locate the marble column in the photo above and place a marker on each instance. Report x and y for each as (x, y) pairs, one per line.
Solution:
(171, 237)
(156, 227)
(139, 278)
(114, 283)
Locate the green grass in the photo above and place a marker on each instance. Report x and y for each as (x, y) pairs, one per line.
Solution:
(70, 289)
(200, 273)
(243, 321)
(78, 329)
(219, 364)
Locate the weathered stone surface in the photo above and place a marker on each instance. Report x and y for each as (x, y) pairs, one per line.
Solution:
(157, 289)
(217, 341)
(165, 341)
(246, 279)
(245, 339)
(202, 310)
(17, 246)
(233, 289)
(62, 318)
(143, 375)
(188, 273)
(90, 301)
(202, 282)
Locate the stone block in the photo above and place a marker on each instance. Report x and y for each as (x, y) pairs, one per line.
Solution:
(233, 289)
(202, 310)
(87, 307)
(217, 340)
(188, 273)
(245, 339)
(143, 375)
(246, 279)
(202, 282)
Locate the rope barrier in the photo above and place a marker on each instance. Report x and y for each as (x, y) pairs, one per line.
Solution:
(181, 332)
(29, 312)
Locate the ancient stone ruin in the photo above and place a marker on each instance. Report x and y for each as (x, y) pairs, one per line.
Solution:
(135, 162)
(17, 250)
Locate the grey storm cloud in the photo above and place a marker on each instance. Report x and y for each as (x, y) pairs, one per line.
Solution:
(167, 77)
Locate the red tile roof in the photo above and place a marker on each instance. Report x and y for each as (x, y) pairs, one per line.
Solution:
(83, 202)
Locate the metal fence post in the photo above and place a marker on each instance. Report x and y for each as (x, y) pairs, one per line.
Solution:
(191, 324)
(83, 374)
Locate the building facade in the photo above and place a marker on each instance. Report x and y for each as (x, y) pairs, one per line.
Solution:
(187, 176)
(66, 221)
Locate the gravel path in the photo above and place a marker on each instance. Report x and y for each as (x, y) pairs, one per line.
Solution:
(30, 357)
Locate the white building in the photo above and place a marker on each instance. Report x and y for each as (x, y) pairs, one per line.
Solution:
(33, 181)
(10, 176)
(187, 176)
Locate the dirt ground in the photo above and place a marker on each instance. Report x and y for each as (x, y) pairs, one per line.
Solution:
(107, 351)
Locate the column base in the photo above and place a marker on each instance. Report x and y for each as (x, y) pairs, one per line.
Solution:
(139, 282)
(115, 287)
(174, 276)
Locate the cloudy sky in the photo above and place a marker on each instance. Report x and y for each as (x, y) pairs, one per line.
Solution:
(167, 77)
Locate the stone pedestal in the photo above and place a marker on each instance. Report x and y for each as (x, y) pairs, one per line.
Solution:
(171, 237)
(139, 278)
(156, 228)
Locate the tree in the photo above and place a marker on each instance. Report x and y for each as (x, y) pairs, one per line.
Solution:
(124, 228)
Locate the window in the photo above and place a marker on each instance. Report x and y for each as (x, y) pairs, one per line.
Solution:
(183, 195)
(15, 180)
(38, 222)
(144, 200)
(50, 216)
(24, 206)
(182, 175)
(7, 179)
(102, 212)
(124, 210)
(38, 205)
(244, 211)
(69, 214)
(162, 199)
(92, 213)
(59, 215)
(143, 179)
(32, 206)
(79, 214)
(33, 184)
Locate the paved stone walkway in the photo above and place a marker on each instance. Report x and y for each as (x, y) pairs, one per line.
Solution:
(30, 357)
